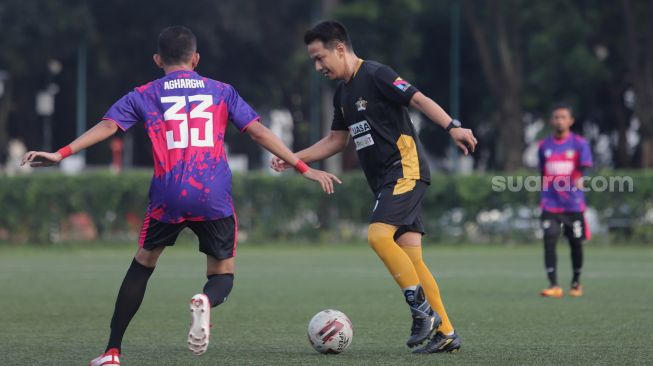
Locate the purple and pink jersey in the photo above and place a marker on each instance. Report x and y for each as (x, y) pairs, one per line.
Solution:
(561, 164)
(186, 116)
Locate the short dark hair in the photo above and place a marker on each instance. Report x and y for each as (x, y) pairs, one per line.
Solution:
(563, 105)
(330, 32)
(176, 45)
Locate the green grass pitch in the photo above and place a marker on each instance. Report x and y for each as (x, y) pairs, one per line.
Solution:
(56, 304)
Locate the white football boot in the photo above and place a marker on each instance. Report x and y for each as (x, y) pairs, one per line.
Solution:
(200, 328)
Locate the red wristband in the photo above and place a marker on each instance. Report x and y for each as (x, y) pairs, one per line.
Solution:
(301, 167)
(65, 152)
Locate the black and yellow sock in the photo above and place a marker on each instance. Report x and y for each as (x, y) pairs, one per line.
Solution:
(430, 286)
(380, 237)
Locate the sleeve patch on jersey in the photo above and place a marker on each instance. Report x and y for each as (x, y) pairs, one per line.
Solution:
(363, 141)
(401, 84)
(359, 128)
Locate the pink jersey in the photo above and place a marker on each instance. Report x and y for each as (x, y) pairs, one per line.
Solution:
(561, 161)
(186, 116)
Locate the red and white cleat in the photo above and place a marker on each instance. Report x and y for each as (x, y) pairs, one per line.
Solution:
(109, 358)
(198, 335)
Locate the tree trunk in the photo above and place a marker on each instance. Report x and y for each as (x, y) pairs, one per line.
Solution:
(511, 135)
(504, 77)
(644, 112)
(5, 109)
(646, 150)
(640, 70)
(621, 159)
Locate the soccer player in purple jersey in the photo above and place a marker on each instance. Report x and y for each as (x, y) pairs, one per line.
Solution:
(185, 115)
(564, 160)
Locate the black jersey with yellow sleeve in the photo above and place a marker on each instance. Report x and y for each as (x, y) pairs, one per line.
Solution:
(372, 106)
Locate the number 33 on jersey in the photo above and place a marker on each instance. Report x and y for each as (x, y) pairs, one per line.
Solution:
(177, 121)
(186, 116)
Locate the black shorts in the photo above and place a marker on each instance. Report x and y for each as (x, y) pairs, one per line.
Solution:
(218, 238)
(573, 223)
(400, 209)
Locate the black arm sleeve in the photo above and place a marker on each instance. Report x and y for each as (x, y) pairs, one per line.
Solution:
(392, 86)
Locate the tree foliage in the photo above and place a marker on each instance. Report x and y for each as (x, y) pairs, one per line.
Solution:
(517, 59)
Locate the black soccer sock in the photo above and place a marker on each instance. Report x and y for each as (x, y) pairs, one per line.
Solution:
(129, 300)
(218, 287)
(576, 259)
(550, 258)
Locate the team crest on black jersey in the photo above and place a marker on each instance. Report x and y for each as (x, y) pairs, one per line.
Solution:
(361, 104)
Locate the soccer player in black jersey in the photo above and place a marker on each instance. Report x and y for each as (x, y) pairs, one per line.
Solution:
(370, 104)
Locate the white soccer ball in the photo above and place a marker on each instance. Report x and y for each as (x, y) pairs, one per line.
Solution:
(330, 331)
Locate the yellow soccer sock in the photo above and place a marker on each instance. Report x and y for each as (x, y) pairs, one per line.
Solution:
(401, 267)
(431, 289)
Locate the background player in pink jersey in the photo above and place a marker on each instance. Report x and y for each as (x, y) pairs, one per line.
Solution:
(564, 159)
(185, 115)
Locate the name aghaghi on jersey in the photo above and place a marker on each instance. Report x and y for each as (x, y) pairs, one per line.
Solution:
(186, 116)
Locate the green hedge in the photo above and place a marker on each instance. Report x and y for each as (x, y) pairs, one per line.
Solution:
(36, 208)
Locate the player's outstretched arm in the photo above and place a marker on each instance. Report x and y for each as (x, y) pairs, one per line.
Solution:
(264, 137)
(101, 131)
(463, 137)
(333, 143)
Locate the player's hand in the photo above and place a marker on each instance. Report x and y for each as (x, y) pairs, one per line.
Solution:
(464, 138)
(325, 179)
(41, 158)
(279, 165)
